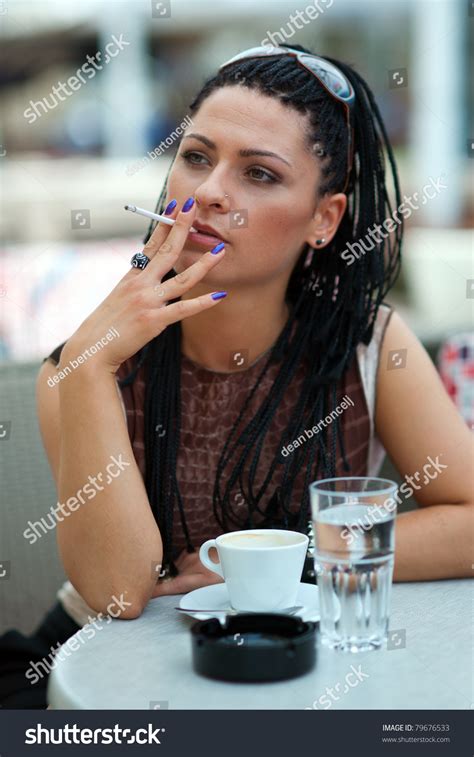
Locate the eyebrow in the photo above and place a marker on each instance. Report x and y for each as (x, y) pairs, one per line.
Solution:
(243, 153)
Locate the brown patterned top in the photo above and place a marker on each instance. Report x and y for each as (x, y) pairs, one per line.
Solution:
(211, 403)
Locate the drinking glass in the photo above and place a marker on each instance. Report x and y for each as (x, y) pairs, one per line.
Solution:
(354, 534)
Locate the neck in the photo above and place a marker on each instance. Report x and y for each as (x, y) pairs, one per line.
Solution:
(233, 334)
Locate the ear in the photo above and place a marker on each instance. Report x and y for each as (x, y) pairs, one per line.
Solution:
(326, 219)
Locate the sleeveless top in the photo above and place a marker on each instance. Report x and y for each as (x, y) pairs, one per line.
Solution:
(210, 404)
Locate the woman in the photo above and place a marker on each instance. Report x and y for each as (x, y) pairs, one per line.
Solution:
(284, 162)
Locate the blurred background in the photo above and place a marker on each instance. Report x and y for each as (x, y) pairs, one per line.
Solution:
(69, 161)
(74, 149)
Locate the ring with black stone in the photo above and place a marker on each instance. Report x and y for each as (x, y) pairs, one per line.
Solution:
(140, 260)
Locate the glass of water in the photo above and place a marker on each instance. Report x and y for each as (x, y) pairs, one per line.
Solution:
(354, 534)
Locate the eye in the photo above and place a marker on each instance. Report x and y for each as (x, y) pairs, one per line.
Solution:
(188, 155)
(266, 176)
(263, 176)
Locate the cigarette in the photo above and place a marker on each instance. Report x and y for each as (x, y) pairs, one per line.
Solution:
(155, 216)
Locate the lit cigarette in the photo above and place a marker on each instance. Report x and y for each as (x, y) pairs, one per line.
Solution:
(154, 216)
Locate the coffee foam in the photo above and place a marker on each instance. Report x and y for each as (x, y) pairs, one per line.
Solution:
(259, 540)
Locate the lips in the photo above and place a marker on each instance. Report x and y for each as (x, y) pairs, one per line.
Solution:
(209, 231)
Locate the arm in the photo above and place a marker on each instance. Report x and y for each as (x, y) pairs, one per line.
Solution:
(416, 419)
(107, 545)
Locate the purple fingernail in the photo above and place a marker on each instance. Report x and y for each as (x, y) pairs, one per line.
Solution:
(218, 295)
(217, 248)
(170, 207)
(188, 204)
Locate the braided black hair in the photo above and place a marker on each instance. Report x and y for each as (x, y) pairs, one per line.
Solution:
(328, 328)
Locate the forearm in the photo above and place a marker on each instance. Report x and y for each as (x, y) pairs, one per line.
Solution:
(434, 542)
(108, 544)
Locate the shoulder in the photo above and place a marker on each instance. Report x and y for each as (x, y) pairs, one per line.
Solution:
(397, 328)
(400, 350)
(403, 362)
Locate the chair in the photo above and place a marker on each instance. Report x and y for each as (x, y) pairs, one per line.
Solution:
(27, 491)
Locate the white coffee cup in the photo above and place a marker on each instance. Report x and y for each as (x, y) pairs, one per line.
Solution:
(261, 567)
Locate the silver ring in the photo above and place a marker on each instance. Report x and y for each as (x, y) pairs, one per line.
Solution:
(140, 260)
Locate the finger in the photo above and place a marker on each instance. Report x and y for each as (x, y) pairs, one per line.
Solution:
(168, 251)
(185, 308)
(158, 236)
(185, 280)
(183, 584)
(160, 232)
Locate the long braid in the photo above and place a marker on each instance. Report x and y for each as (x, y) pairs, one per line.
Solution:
(327, 328)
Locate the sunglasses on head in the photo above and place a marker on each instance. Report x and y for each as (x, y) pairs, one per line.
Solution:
(328, 75)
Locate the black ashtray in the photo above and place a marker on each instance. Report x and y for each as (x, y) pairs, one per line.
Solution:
(254, 647)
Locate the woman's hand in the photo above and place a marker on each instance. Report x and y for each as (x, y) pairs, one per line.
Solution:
(192, 575)
(137, 307)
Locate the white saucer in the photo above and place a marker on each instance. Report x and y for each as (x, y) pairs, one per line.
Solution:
(215, 597)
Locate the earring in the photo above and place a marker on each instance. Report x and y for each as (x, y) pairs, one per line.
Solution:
(320, 241)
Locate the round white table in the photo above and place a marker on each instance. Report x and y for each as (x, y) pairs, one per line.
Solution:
(146, 664)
